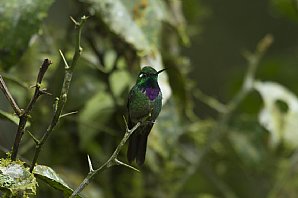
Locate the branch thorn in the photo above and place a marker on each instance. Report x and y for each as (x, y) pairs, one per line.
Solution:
(90, 164)
(64, 60)
(118, 162)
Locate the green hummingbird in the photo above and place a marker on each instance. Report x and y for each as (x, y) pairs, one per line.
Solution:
(144, 105)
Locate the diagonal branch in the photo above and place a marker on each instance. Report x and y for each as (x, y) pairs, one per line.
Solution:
(24, 115)
(38, 91)
(112, 161)
(15, 80)
(59, 104)
(210, 101)
(10, 99)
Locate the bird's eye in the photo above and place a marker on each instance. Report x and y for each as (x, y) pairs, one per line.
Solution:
(141, 75)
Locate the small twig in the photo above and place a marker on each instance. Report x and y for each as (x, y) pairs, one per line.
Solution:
(16, 80)
(112, 161)
(10, 99)
(127, 165)
(64, 59)
(210, 101)
(68, 114)
(38, 92)
(77, 24)
(253, 62)
(33, 137)
(24, 115)
(90, 164)
(59, 103)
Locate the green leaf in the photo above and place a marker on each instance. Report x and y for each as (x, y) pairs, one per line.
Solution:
(19, 20)
(117, 87)
(137, 22)
(92, 119)
(279, 114)
(114, 14)
(84, 86)
(74, 178)
(286, 8)
(11, 117)
(15, 179)
(148, 16)
(49, 176)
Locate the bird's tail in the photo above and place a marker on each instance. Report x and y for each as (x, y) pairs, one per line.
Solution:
(138, 144)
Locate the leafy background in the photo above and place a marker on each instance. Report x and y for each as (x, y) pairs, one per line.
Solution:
(199, 147)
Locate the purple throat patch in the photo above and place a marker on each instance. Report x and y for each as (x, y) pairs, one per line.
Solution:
(152, 93)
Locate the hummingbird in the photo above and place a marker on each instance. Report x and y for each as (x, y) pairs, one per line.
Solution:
(144, 105)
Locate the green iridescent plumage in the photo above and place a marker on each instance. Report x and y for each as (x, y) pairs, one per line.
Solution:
(144, 105)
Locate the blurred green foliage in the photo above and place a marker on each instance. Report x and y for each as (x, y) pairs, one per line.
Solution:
(200, 147)
(20, 20)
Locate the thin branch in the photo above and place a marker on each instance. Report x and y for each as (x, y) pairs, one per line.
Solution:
(210, 101)
(16, 80)
(26, 113)
(64, 59)
(68, 114)
(33, 137)
(112, 161)
(220, 129)
(10, 99)
(59, 104)
(253, 62)
(38, 92)
(127, 165)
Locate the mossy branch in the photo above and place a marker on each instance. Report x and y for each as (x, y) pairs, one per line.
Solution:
(112, 161)
(64, 91)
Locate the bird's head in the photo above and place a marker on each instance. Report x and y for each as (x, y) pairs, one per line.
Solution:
(148, 74)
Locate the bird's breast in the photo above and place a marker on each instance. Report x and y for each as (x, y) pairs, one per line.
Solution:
(151, 92)
(145, 104)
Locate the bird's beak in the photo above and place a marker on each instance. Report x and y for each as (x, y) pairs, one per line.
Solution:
(160, 71)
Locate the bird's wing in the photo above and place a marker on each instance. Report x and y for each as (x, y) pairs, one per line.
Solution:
(130, 94)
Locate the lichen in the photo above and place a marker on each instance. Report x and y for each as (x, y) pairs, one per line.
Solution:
(16, 179)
